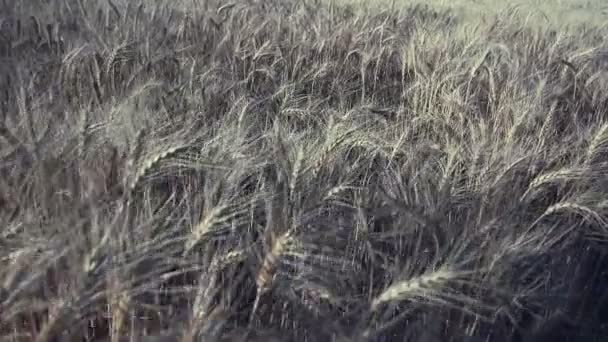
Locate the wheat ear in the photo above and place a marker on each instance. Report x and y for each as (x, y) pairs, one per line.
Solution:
(329, 148)
(565, 174)
(295, 173)
(425, 285)
(584, 211)
(151, 162)
(266, 272)
(599, 139)
(203, 228)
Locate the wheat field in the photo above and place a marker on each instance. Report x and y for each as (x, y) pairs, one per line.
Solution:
(282, 170)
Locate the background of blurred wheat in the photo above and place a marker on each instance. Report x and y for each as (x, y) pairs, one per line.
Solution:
(303, 171)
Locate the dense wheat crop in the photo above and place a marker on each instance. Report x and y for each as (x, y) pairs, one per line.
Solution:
(299, 171)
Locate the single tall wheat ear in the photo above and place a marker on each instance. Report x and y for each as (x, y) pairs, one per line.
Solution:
(267, 271)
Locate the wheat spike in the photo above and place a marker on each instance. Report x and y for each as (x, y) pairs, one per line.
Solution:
(83, 133)
(204, 227)
(326, 150)
(565, 174)
(576, 208)
(96, 73)
(334, 191)
(599, 139)
(232, 257)
(548, 123)
(136, 148)
(293, 181)
(266, 272)
(425, 286)
(151, 162)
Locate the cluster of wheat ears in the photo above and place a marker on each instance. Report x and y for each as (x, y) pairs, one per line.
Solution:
(299, 171)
